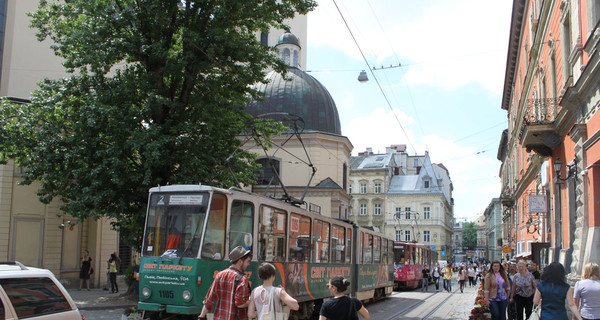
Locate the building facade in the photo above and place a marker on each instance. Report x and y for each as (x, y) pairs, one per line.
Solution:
(407, 197)
(493, 231)
(549, 152)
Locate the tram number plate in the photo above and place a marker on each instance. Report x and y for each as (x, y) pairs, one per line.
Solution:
(166, 294)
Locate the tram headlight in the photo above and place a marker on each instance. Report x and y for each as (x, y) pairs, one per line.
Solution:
(187, 295)
(146, 293)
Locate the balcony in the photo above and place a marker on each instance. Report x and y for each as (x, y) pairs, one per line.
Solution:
(538, 132)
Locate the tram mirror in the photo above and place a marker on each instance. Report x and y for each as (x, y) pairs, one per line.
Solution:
(247, 240)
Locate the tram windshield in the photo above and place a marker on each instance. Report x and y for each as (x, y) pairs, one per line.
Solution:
(399, 255)
(174, 224)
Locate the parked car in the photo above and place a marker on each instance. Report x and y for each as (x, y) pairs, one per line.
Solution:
(33, 293)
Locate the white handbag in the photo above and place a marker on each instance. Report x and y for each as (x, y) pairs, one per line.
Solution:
(535, 314)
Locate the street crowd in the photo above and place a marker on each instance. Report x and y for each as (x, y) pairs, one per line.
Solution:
(517, 291)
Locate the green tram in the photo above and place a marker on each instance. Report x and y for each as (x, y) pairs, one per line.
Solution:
(190, 229)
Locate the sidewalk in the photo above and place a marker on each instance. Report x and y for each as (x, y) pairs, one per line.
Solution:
(98, 299)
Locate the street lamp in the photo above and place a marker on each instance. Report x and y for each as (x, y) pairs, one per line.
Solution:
(571, 169)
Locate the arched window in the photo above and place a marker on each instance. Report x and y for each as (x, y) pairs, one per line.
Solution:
(269, 172)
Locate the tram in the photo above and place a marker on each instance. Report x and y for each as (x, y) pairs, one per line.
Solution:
(190, 229)
(409, 259)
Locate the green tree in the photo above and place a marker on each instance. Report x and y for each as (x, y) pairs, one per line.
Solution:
(469, 233)
(155, 95)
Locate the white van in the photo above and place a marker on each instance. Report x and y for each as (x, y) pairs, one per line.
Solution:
(32, 293)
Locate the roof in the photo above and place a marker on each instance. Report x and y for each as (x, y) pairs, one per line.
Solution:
(303, 96)
(372, 162)
(328, 183)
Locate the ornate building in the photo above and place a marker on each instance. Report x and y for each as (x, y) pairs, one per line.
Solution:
(407, 197)
(549, 152)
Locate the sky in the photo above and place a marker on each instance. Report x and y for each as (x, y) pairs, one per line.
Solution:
(443, 94)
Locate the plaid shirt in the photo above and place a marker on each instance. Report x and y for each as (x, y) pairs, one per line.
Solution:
(224, 293)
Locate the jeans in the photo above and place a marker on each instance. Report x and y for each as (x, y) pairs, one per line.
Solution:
(448, 285)
(498, 309)
(523, 303)
(436, 280)
(113, 282)
(425, 284)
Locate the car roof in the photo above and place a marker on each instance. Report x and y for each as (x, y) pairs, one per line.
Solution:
(17, 270)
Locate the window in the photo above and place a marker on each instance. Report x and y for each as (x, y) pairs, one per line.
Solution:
(407, 212)
(376, 249)
(299, 238)
(214, 239)
(34, 297)
(398, 235)
(264, 39)
(407, 235)
(270, 171)
(378, 188)
(338, 239)
(367, 248)
(363, 188)
(398, 214)
(416, 162)
(271, 234)
(321, 241)
(363, 209)
(348, 245)
(426, 184)
(377, 209)
(240, 232)
(427, 213)
(426, 236)
(350, 188)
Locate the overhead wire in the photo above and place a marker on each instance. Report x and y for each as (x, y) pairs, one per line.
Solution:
(375, 77)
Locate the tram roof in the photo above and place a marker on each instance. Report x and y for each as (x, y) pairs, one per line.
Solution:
(185, 187)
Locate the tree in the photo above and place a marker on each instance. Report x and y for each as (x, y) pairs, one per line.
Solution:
(469, 232)
(155, 95)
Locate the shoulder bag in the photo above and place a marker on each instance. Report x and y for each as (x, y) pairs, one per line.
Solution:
(535, 314)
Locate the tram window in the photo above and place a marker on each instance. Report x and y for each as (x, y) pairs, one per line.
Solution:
(299, 238)
(419, 259)
(214, 239)
(413, 255)
(271, 230)
(359, 254)
(348, 245)
(367, 248)
(240, 224)
(338, 249)
(376, 249)
(399, 255)
(321, 241)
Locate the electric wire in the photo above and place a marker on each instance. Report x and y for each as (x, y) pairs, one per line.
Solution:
(374, 77)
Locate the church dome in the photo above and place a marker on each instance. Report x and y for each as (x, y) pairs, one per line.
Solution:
(288, 38)
(303, 96)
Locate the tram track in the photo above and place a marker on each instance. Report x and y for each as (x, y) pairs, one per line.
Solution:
(431, 298)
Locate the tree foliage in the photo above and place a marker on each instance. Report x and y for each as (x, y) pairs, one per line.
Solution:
(155, 95)
(469, 233)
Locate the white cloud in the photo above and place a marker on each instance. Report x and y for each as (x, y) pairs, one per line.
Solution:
(445, 43)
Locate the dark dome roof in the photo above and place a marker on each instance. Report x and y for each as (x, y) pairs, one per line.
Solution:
(303, 96)
(288, 38)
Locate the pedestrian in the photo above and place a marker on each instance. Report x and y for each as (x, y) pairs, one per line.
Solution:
(448, 278)
(511, 307)
(585, 302)
(267, 298)
(461, 276)
(552, 290)
(86, 270)
(436, 273)
(523, 288)
(496, 290)
(471, 273)
(425, 281)
(533, 266)
(341, 307)
(229, 294)
(113, 266)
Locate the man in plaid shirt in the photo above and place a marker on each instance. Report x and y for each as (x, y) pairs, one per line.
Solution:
(230, 290)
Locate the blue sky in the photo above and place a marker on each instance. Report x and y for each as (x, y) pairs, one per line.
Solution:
(445, 98)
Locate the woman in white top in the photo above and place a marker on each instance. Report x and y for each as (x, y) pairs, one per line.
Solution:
(261, 296)
(586, 295)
